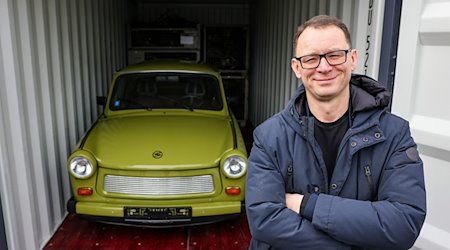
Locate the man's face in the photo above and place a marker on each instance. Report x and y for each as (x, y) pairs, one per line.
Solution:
(325, 82)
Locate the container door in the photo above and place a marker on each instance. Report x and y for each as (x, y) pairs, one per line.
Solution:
(3, 244)
(422, 95)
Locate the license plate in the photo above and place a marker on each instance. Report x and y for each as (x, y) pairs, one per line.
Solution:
(158, 213)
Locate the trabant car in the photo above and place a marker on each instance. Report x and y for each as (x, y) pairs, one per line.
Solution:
(166, 151)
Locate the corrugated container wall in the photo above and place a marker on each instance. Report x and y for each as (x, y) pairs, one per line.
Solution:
(273, 27)
(56, 56)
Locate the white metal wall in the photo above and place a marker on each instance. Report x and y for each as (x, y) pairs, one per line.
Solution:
(55, 57)
(274, 24)
(421, 94)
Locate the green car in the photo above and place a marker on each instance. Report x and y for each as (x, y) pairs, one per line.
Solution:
(167, 150)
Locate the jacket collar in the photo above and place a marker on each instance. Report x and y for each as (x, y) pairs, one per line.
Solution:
(366, 95)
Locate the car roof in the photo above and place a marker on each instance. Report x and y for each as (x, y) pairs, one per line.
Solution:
(169, 65)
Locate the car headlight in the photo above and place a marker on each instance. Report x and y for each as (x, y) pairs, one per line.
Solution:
(81, 166)
(235, 166)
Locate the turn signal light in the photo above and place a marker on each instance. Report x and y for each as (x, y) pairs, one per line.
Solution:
(233, 190)
(85, 191)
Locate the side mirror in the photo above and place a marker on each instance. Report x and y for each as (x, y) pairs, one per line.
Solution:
(101, 100)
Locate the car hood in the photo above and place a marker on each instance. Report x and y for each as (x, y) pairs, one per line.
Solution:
(160, 141)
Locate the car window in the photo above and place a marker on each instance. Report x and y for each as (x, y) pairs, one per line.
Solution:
(166, 91)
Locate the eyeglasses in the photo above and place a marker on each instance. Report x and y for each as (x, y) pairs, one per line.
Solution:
(333, 58)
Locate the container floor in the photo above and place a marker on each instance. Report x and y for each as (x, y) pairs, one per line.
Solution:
(80, 234)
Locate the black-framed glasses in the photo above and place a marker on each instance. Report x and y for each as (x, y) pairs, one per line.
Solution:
(333, 58)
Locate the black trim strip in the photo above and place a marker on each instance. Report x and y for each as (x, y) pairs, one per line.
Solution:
(194, 221)
(233, 128)
(87, 134)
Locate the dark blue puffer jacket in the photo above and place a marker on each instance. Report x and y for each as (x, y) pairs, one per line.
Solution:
(376, 197)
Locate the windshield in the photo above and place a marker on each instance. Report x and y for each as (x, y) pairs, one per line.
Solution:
(166, 91)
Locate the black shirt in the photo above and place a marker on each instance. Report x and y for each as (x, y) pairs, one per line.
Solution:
(329, 137)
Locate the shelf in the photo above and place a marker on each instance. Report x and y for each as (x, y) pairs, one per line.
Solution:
(164, 38)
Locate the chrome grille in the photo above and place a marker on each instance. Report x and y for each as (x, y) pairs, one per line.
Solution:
(159, 186)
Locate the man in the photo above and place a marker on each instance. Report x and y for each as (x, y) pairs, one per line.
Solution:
(334, 169)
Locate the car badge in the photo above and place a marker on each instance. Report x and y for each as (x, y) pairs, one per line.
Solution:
(157, 154)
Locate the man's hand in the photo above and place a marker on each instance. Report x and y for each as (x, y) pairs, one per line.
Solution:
(293, 201)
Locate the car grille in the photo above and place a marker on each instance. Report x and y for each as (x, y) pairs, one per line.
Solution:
(159, 186)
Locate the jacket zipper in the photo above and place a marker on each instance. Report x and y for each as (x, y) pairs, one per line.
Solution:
(288, 179)
(368, 174)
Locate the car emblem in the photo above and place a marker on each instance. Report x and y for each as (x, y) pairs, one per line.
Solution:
(157, 154)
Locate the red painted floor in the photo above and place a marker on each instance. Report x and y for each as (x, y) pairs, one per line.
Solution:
(76, 233)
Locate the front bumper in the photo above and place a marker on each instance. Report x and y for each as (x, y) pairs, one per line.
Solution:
(203, 213)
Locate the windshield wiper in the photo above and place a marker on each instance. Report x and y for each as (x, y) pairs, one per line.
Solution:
(177, 102)
(140, 105)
